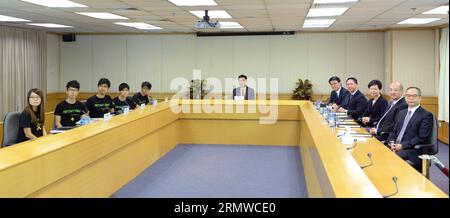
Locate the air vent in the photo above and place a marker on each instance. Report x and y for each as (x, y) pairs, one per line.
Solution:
(130, 9)
(126, 10)
(340, 5)
(218, 34)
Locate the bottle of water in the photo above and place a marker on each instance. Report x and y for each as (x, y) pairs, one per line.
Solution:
(85, 120)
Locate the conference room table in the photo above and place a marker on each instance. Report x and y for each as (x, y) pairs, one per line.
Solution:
(98, 159)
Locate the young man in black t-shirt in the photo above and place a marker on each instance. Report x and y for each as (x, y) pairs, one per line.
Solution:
(101, 103)
(142, 97)
(69, 111)
(123, 99)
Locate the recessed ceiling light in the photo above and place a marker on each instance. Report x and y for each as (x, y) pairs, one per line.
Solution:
(193, 2)
(56, 3)
(139, 25)
(230, 25)
(326, 12)
(212, 14)
(418, 21)
(438, 10)
(49, 25)
(103, 15)
(333, 1)
(5, 18)
(322, 23)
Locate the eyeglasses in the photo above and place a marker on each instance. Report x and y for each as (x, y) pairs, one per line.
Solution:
(72, 90)
(412, 96)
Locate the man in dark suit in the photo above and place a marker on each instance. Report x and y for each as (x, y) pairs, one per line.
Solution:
(386, 124)
(338, 93)
(376, 106)
(413, 126)
(355, 104)
(243, 90)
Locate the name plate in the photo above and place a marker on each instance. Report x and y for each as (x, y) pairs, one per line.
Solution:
(107, 116)
(239, 98)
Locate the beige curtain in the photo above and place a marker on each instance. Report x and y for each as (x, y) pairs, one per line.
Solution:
(23, 65)
(444, 77)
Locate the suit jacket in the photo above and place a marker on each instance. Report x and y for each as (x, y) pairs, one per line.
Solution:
(418, 130)
(375, 111)
(334, 99)
(249, 93)
(355, 105)
(386, 124)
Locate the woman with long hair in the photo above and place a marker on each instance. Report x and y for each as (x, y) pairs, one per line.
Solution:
(31, 122)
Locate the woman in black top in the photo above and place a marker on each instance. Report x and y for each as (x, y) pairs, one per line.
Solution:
(31, 121)
(376, 106)
(123, 99)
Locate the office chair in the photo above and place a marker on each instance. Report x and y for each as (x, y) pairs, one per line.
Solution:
(429, 149)
(10, 128)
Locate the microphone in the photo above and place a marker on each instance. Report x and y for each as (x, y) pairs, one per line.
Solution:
(371, 162)
(396, 188)
(354, 144)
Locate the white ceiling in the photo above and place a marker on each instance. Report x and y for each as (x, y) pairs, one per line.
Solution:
(254, 15)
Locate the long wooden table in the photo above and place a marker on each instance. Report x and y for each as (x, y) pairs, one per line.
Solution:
(98, 159)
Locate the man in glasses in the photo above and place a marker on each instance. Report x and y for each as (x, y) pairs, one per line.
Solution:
(413, 126)
(338, 93)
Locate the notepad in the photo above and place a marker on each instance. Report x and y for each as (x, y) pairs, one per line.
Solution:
(349, 125)
(362, 135)
(344, 131)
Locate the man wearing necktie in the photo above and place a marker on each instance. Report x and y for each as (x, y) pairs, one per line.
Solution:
(386, 124)
(413, 126)
(338, 93)
(355, 104)
(243, 90)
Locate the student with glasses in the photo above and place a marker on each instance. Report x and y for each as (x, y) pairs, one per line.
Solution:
(31, 121)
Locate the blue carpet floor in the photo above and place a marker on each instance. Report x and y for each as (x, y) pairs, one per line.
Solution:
(221, 171)
(436, 176)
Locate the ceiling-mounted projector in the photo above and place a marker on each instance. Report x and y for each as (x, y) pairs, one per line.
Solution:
(206, 23)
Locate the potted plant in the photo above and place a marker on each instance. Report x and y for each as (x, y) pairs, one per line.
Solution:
(198, 89)
(303, 91)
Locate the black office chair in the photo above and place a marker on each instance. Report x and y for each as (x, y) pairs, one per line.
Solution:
(84, 102)
(10, 128)
(431, 147)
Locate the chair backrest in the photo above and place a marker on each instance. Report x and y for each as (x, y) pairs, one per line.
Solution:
(84, 102)
(433, 138)
(54, 122)
(10, 128)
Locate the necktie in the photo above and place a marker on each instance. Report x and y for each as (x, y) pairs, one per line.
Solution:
(350, 98)
(242, 91)
(391, 105)
(405, 124)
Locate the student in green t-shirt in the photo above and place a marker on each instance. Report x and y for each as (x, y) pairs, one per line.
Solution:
(123, 99)
(101, 103)
(142, 97)
(69, 111)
